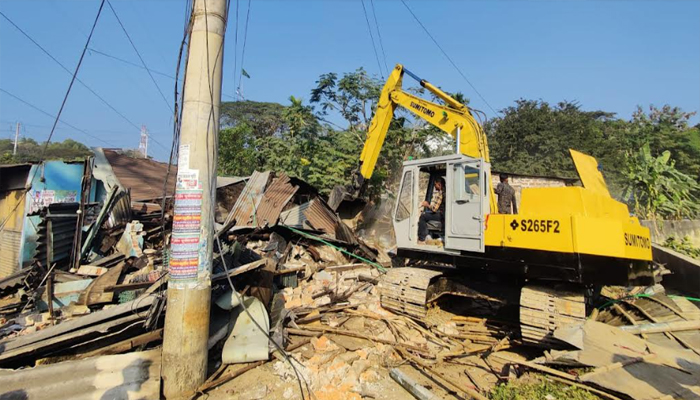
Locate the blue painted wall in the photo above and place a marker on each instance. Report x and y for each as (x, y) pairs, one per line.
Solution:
(51, 182)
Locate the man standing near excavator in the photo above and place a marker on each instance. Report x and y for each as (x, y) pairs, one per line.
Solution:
(506, 197)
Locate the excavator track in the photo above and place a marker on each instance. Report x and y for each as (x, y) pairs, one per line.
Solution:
(408, 291)
(405, 290)
(543, 309)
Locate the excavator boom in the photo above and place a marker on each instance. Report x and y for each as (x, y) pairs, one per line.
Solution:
(453, 118)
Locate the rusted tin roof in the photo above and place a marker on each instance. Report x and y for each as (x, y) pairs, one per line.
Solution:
(243, 211)
(144, 177)
(320, 217)
(275, 198)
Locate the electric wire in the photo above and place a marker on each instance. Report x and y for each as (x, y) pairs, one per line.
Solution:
(53, 117)
(60, 110)
(235, 52)
(111, 107)
(177, 113)
(444, 53)
(102, 53)
(379, 34)
(371, 35)
(212, 183)
(167, 103)
(245, 39)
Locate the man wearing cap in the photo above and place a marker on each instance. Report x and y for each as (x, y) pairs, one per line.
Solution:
(506, 197)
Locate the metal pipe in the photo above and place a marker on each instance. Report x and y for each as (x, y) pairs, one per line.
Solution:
(459, 140)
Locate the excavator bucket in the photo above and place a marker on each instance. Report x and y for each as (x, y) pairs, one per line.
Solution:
(346, 201)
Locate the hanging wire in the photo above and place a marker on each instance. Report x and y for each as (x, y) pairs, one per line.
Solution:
(167, 103)
(245, 39)
(371, 35)
(84, 132)
(379, 34)
(85, 85)
(212, 114)
(444, 53)
(60, 110)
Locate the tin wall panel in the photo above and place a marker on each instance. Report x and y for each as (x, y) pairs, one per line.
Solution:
(276, 196)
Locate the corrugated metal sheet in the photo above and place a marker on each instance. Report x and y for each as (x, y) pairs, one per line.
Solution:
(243, 211)
(321, 217)
(12, 213)
(120, 213)
(11, 283)
(127, 376)
(63, 219)
(222, 181)
(143, 177)
(295, 217)
(53, 182)
(275, 198)
(10, 247)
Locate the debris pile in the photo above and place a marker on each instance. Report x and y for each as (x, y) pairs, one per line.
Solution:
(297, 314)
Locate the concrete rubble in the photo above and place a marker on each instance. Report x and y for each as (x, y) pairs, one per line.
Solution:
(315, 286)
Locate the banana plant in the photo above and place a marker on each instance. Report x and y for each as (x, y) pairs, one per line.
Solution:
(656, 189)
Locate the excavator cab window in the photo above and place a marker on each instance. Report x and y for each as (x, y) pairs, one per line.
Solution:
(405, 206)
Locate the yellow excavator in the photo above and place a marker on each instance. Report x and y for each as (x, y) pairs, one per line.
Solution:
(563, 244)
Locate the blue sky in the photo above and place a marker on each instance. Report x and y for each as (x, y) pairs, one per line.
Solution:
(609, 55)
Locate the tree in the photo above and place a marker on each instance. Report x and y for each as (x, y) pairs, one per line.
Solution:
(28, 150)
(263, 119)
(656, 189)
(354, 96)
(667, 128)
(237, 151)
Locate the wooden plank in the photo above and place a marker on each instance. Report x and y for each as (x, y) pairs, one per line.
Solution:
(95, 293)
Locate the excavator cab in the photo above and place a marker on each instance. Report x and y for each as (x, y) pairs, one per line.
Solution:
(466, 202)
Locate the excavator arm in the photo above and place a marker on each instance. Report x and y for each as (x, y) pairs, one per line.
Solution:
(453, 118)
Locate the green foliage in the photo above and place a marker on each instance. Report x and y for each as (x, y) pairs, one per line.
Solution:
(683, 246)
(535, 388)
(664, 129)
(29, 150)
(237, 151)
(353, 96)
(656, 189)
(530, 137)
(264, 119)
(533, 137)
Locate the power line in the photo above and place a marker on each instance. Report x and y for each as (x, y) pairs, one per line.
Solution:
(63, 104)
(53, 116)
(448, 57)
(77, 79)
(92, 50)
(235, 52)
(167, 103)
(379, 34)
(102, 53)
(371, 35)
(245, 39)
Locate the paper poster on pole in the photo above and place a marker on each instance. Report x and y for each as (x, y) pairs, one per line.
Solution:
(185, 242)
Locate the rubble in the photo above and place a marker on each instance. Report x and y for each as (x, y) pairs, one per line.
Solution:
(313, 285)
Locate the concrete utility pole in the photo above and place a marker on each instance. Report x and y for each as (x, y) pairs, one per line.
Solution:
(189, 286)
(14, 151)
